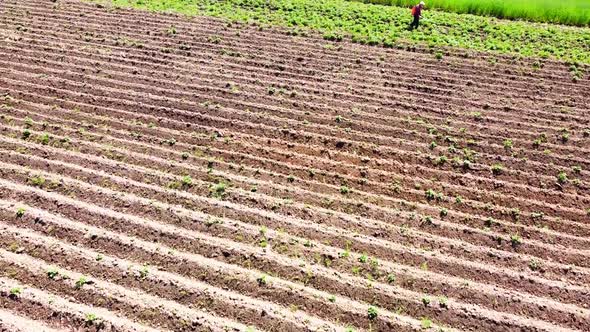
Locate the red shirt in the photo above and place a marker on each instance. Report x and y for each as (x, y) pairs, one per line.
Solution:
(417, 10)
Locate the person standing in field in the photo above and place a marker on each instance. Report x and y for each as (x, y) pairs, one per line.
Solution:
(417, 13)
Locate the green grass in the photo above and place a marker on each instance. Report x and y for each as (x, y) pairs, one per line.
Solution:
(571, 12)
(387, 25)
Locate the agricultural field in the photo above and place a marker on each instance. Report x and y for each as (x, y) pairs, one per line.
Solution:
(160, 172)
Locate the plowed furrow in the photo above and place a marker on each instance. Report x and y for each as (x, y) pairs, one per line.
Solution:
(231, 222)
(574, 145)
(264, 39)
(206, 141)
(94, 234)
(490, 111)
(163, 102)
(558, 197)
(206, 189)
(48, 306)
(11, 321)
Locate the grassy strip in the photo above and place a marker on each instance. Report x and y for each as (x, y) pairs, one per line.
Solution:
(570, 12)
(387, 25)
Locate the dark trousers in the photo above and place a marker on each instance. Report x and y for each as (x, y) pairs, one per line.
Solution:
(415, 23)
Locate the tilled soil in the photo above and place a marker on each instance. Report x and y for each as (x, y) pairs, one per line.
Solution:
(159, 172)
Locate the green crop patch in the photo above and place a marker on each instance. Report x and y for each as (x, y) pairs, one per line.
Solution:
(388, 25)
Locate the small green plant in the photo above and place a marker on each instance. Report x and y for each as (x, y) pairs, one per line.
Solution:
(90, 318)
(261, 280)
(20, 212)
(291, 178)
(433, 195)
(26, 134)
(432, 145)
(443, 302)
(344, 190)
(81, 282)
(339, 119)
(390, 278)
(497, 169)
(52, 273)
(143, 272)
(332, 298)
(426, 300)
(534, 264)
(44, 139)
(37, 181)
(187, 181)
(438, 55)
(15, 291)
(508, 144)
(515, 239)
(372, 313)
(185, 155)
(444, 212)
(424, 266)
(425, 323)
(363, 258)
(577, 169)
(218, 190)
(171, 30)
(562, 177)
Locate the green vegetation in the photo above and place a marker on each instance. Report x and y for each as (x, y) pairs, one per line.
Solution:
(572, 12)
(387, 25)
(15, 291)
(372, 313)
(20, 212)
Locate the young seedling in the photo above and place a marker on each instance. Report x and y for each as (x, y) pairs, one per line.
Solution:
(562, 177)
(37, 181)
(20, 212)
(218, 190)
(390, 278)
(15, 291)
(577, 169)
(507, 144)
(363, 258)
(81, 282)
(90, 318)
(425, 323)
(52, 273)
(444, 212)
(261, 280)
(344, 190)
(372, 313)
(332, 298)
(515, 239)
(187, 181)
(26, 134)
(534, 265)
(443, 302)
(497, 169)
(426, 301)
